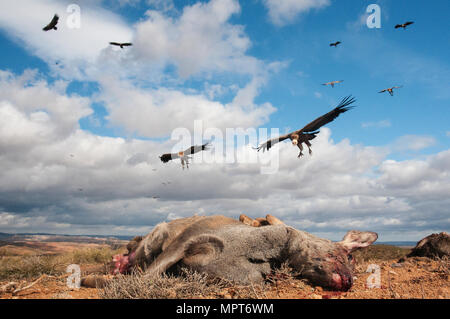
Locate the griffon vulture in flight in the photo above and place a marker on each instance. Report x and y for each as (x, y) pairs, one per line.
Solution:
(335, 44)
(52, 24)
(121, 45)
(390, 90)
(310, 131)
(184, 156)
(404, 25)
(332, 83)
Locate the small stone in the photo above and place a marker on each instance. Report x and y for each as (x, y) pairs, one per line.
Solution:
(315, 296)
(227, 296)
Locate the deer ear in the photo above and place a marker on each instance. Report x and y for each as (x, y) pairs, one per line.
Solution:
(202, 249)
(357, 239)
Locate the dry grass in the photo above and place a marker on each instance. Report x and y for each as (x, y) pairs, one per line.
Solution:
(27, 267)
(32, 266)
(91, 256)
(141, 286)
(192, 285)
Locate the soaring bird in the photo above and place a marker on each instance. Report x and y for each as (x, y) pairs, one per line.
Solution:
(52, 24)
(390, 90)
(332, 83)
(121, 45)
(184, 156)
(310, 131)
(335, 44)
(404, 25)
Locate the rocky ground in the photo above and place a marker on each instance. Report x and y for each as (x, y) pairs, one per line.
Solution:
(417, 277)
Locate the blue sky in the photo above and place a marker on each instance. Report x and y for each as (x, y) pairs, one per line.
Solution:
(385, 57)
(257, 63)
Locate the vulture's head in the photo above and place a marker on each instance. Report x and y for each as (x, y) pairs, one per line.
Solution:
(294, 139)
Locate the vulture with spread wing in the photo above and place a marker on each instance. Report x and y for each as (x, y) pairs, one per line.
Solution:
(390, 90)
(404, 25)
(335, 44)
(184, 156)
(52, 24)
(121, 45)
(310, 131)
(332, 83)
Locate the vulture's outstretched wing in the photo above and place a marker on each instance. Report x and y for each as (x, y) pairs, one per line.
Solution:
(330, 116)
(168, 157)
(267, 145)
(191, 150)
(52, 24)
(195, 149)
(397, 87)
(121, 45)
(398, 26)
(408, 23)
(382, 91)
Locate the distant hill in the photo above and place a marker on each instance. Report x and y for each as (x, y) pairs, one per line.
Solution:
(398, 243)
(45, 237)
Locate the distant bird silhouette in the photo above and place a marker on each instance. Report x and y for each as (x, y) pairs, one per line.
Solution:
(121, 45)
(332, 83)
(390, 90)
(52, 24)
(184, 156)
(404, 25)
(335, 44)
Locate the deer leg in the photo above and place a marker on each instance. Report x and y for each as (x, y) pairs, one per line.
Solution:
(245, 219)
(272, 220)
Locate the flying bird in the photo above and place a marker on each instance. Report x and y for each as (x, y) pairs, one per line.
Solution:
(390, 90)
(121, 45)
(52, 24)
(335, 44)
(310, 131)
(332, 83)
(184, 156)
(404, 25)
